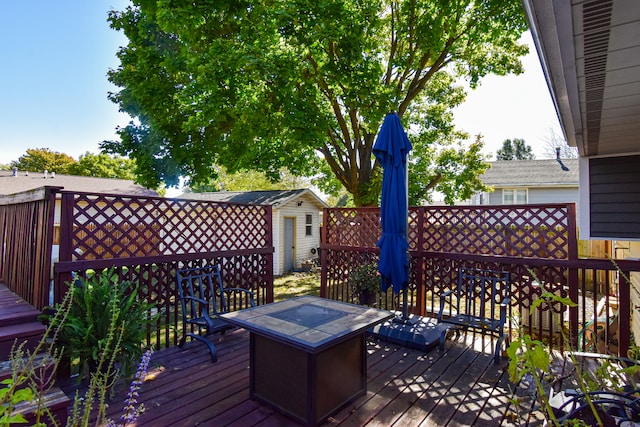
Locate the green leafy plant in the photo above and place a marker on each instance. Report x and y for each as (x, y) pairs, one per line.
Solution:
(103, 308)
(530, 356)
(29, 382)
(364, 283)
(32, 375)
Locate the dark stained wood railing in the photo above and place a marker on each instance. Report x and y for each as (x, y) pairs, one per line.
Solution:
(538, 244)
(26, 234)
(146, 239)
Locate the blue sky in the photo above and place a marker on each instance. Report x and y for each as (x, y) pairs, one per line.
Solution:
(53, 86)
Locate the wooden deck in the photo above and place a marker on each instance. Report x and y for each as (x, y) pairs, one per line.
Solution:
(458, 387)
(18, 321)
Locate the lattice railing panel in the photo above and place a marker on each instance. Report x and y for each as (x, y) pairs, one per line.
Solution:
(115, 226)
(532, 231)
(458, 232)
(353, 227)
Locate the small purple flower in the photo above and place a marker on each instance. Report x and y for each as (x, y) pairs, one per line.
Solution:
(131, 410)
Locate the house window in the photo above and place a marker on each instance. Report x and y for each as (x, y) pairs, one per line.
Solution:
(308, 225)
(514, 196)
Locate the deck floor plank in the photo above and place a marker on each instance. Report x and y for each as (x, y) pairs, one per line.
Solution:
(456, 387)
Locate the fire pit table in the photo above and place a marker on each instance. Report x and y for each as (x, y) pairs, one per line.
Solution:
(308, 355)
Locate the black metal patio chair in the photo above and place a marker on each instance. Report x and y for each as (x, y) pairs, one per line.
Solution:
(203, 298)
(479, 301)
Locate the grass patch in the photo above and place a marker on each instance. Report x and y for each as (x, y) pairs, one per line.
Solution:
(295, 285)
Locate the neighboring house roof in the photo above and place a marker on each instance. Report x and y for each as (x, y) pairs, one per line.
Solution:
(274, 198)
(531, 173)
(10, 184)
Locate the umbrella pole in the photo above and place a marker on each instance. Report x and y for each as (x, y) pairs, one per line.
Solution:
(405, 305)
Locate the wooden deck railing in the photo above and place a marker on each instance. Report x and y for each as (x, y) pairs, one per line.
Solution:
(147, 239)
(144, 239)
(536, 243)
(26, 234)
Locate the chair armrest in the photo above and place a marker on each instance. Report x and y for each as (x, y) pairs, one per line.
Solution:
(204, 311)
(198, 300)
(447, 293)
(246, 291)
(443, 298)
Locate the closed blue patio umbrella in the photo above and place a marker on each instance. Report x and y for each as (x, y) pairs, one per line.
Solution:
(391, 149)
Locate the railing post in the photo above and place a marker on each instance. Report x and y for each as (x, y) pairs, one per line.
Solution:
(421, 291)
(624, 313)
(269, 244)
(66, 244)
(573, 311)
(323, 253)
(572, 252)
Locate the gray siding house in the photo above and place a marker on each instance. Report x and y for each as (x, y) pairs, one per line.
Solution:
(530, 181)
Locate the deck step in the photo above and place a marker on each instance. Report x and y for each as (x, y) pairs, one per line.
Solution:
(57, 402)
(41, 362)
(29, 332)
(55, 399)
(15, 310)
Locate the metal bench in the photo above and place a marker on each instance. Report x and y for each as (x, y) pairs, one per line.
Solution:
(203, 298)
(479, 301)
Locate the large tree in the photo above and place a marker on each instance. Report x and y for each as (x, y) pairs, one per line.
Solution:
(104, 166)
(515, 150)
(305, 85)
(43, 159)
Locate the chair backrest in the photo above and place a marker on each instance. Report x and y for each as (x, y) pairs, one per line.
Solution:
(204, 283)
(482, 291)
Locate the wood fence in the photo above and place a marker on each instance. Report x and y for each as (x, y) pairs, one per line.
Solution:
(537, 243)
(144, 239)
(26, 230)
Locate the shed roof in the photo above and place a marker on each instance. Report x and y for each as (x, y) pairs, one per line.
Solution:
(275, 198)
(24, 181)
(531, 173)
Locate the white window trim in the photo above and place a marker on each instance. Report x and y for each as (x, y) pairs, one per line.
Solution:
(308, 225)
(514, 191)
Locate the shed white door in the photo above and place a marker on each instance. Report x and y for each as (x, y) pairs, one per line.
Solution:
(289, 243)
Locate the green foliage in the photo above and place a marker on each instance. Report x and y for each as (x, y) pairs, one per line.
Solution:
(364, 279)
(515, 150)
(104, 166)
(453, 172)
(29, 383)
(303, 85)
(10, 397)
(248, 180)
(532, 357)
(103, 308)
(41, 159)
(89, 164)
(30, 378)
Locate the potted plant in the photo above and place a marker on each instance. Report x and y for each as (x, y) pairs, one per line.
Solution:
(364, 283)
(307, 265)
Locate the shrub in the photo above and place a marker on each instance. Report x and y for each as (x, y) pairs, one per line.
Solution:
(103, 307)
(364, 282)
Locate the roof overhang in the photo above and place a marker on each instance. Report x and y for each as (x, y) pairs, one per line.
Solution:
(590, 55)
